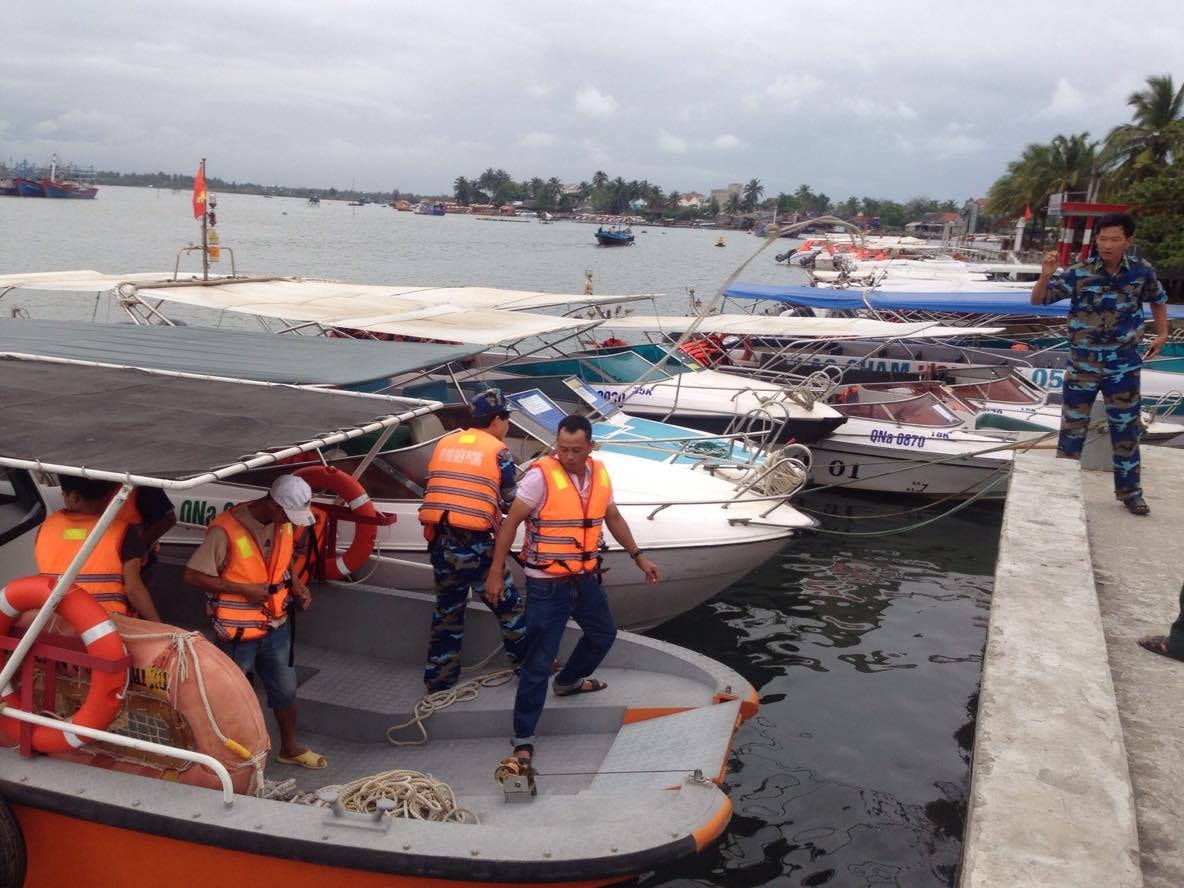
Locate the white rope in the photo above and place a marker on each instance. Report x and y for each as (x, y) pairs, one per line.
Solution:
(431, 703)
(417, 796)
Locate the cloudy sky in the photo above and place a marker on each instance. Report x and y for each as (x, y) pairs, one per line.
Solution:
(884, 99)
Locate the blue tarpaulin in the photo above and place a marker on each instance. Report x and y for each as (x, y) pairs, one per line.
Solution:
(993, 303)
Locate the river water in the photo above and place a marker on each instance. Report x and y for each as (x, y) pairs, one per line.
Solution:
(865, 649)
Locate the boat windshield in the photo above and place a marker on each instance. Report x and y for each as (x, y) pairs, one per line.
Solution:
(624, 367)
(924, 409)
(1006, 390)
(656, 354)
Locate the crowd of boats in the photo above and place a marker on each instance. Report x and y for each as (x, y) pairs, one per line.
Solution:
(713, 427)
(55, 180)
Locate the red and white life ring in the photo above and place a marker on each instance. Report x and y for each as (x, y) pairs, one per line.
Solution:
(338, 567)
(101, 638)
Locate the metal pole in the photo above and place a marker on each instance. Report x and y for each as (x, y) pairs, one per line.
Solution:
(205, 212)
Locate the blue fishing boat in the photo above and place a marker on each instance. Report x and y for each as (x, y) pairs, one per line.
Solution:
(617, 236)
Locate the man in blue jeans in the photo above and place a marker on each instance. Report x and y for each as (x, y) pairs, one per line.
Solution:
(566, 500)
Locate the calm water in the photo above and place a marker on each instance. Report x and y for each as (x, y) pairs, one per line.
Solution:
(865, 650)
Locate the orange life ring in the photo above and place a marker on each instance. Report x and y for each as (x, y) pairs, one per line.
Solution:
(102, 640)
(338, 567)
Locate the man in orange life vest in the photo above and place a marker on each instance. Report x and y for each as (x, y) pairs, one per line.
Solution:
(566, 500)
(112, 572)
(244, 567)
(471, 480)
(151, 512)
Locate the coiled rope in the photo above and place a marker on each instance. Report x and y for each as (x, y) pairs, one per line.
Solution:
(432, 703)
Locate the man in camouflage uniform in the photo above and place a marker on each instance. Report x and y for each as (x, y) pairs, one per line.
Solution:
(471, 482)
(1105, 328)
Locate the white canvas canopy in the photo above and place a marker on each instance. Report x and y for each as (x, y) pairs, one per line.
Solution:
(479, 315)
(789, 327)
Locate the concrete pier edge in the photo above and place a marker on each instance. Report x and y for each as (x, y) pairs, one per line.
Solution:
(1051, 799)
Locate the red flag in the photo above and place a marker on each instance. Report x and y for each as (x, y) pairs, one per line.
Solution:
(199, 192)
(1027, 210)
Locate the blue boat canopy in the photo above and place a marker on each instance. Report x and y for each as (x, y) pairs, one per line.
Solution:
(260, 357)
(991, 303)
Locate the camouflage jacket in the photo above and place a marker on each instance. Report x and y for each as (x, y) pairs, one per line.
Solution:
(1106, 311)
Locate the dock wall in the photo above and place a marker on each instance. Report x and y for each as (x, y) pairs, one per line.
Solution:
(1051, 801)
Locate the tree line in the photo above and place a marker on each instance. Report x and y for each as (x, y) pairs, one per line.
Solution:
(1140, 163)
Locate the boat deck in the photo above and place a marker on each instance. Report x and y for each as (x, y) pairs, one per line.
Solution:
(347, 702)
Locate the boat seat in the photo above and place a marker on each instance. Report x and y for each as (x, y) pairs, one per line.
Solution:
(1006, 423)
(426, 428)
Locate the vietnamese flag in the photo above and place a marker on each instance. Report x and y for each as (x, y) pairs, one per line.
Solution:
(199, 192)
(1027, 208)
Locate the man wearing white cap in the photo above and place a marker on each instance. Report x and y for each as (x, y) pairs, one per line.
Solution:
(244, 567)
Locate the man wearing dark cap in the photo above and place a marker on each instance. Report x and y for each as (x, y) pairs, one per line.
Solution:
(470, 484)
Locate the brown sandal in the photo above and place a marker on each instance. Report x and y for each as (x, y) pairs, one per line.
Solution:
(1158, 644)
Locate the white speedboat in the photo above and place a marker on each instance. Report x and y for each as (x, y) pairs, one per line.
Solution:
(144, 782)
(901, 440)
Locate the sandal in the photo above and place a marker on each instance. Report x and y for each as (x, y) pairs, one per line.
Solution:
(307, 759)
(1136, 505)
(524, 761)
(1158, 644)
(586, 686)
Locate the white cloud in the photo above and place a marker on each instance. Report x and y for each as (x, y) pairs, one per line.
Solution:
(538, 140)
(956, 141)
(786, 93)
(726, 142)
(671, 143)
(861, 106)
(903, 145)
(1066, 100)
(539, 90)
(594, 103)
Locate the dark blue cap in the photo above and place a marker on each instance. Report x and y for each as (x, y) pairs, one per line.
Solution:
(490, 402)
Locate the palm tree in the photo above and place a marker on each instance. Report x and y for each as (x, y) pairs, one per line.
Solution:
(752, 193)
(804, 196)
(462, 189)
(599, 179)
(733, 206)
(1065, 164)
(673, 199)
(1134, 150)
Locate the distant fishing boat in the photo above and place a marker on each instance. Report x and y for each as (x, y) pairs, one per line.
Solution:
(68, 189)
(28, 187)
(617, 236)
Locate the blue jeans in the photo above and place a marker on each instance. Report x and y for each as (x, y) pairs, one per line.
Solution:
(549, 605)
(267, 657)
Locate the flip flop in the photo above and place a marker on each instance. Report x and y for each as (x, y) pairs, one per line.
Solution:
(308, 759)
(1158, 644)
(586, 686)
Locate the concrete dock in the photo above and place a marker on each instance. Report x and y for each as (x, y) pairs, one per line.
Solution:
(1078, 770)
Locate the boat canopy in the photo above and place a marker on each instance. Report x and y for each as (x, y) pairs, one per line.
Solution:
(479, 315)
(171, 430)
(795, 327)
(262, 357)
(1003, 302)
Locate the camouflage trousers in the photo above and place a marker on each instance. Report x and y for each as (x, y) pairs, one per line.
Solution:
(460, 563)
(1116, 376)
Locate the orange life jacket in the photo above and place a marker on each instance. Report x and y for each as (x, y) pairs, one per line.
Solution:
(308, 550)
(61, 536)
(464, 483)
(565, 537)
(235, 618)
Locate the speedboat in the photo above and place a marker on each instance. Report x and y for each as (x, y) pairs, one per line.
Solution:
(616, 236)
(703, 531)
(144, 777)
(650, 381)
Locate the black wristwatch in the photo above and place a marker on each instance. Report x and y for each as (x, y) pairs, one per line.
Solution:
(637, 554)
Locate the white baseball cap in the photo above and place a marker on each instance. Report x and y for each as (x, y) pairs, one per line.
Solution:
(294, 496)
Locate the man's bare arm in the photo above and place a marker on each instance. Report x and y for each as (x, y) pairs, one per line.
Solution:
(502, 543)
(1048, 265)
(256, 593)
(137, 593)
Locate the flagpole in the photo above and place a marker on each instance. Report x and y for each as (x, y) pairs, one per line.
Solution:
(205, 246)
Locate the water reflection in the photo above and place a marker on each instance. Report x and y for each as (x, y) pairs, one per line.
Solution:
(866, 655)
